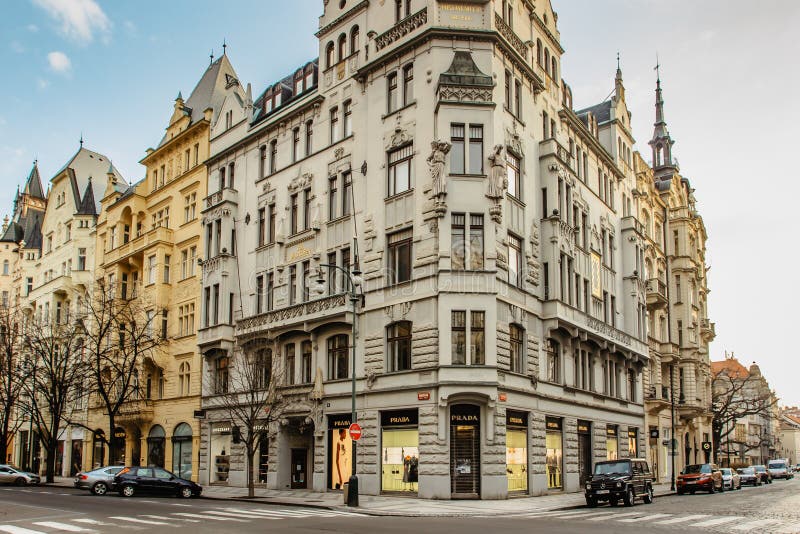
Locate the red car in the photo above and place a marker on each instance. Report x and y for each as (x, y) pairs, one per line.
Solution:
(706, 477)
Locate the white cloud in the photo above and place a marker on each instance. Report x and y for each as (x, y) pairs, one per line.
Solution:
(59, 62)
(79, 19)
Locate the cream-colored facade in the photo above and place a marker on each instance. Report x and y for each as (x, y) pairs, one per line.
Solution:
(54, 270)
(148, 241)
(678, 379)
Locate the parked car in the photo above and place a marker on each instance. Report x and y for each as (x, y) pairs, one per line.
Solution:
(763, 474)
(133, 480)
(780, 469)
(731, 479)
(696, 477)
(14, 475)
(797, 468)
(616, 480)
(749, 476)
(99, 481)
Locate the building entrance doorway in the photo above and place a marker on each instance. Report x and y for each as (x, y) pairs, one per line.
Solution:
(465, 457)
(299, 468)
(584, 451)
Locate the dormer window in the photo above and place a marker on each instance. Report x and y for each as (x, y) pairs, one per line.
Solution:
(298, 84)
(309, 81)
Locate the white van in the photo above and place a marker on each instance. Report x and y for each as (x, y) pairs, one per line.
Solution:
(780, 469)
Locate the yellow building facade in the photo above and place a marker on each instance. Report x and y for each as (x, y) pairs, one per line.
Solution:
(148, 242)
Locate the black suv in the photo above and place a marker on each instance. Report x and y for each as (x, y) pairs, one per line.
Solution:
(616, 480)
(133, 480)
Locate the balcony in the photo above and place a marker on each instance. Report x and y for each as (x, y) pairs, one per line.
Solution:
(558, 231)
(161, 234)
(136, 411)
(656, 294)
(551, 147)
(295, 316)
(227, 194)
(508, 34)
(632, 223)
(401, 29)
(220, 335)
(222, 263)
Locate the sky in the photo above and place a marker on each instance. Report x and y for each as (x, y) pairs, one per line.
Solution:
(110, 71)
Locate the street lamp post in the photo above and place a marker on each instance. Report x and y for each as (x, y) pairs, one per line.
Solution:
(353, 282)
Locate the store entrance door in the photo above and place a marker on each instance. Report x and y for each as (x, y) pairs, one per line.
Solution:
(299, 464)
(465, 457)
(584, 451)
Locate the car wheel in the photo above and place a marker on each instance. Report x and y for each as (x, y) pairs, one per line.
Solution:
(712, 488)
(680, 492)
(185, 492)
(648, 496)
(591, 502)
(21, 482)
(629, 498)
(100, 488)
(127, 490)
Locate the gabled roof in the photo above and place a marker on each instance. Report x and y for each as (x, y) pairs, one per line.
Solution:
(33, 239)
(210, 91)
(731, 367)
(287, 86)
(85, 166)
(87, 206)
(33, 185)
(601, 112)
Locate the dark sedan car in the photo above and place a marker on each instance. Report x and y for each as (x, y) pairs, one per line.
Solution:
(154, 480)
(749, 476)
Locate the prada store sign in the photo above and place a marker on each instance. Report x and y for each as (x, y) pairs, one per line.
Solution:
(462, 13)
(400, 418)
(465, 414)
(516, 418)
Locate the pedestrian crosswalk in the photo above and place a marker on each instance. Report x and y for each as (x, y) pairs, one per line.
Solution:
(112, 523)
(706, 522)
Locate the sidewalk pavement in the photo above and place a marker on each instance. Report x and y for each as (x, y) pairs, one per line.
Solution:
(382, 505)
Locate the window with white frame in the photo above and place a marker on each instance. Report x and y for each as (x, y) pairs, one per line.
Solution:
(400, 170)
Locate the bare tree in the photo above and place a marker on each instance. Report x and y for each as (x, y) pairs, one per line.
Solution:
(10, 378)
(119, 334)
(734, 398)
(247, 392)
(55, 370)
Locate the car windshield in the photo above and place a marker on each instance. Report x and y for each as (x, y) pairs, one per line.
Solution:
(613, 468)
(726, 471)
(760, 468)
(777, 465)
(695, 469)
(747, 471)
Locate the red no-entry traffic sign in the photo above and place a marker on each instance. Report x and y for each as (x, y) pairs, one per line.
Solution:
(355, 432)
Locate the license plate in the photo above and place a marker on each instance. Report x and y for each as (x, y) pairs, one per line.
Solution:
(602, 492)
(691, 482)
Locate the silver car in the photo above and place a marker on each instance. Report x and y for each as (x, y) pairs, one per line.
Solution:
(731, 479)
(12, 475)
(99, 481)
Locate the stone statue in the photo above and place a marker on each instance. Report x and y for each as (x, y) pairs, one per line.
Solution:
(498, 179)
(439, 150)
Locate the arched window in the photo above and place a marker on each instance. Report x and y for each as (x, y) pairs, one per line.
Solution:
(309, 138)
(329, 55)
(547, 61)
(182, 451)
(659, 155)
(354, 40)
(184, 378)
(554, 68)
(398, 345)
(517, 348)
(5, 267)
(155, 446)
(342, 47)
(263, 368)
(539, 51)
(221, 374)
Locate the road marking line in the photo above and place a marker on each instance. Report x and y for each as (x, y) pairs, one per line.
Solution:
(11, 529)
(617, 516)
(201, 516)
(88, 521)
(62, 526)
(681, 519)
(171, 518)
(235, 514)
(719, 521)
(646, 517)
(581, 515)
(755, 524)
(136, 520)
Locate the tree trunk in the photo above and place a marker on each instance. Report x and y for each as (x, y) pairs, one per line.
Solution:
(251, 489)
(50, 464)
(4, 432)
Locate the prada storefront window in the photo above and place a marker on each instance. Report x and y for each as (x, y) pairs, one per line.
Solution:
(399, 451)
(612, 445)
(465, 450)
(517, 451)
(633, 443)
(340, 447)
(555, 452)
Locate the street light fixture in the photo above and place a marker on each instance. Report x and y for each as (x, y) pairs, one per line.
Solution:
(354, 281)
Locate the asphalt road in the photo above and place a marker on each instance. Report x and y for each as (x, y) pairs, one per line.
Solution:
(32, 510)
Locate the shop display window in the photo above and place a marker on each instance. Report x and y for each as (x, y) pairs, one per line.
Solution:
(612, 444)
(517, 451)
(340, 449)
(554, 445)
(400, 451)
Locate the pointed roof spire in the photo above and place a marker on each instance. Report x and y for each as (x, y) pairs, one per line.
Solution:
(212, 57)
(87, 206)
(180, 96)
(33, 185)
(661, 143)
(81, 140)
(224, 46)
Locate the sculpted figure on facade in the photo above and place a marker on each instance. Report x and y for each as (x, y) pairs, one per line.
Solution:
(498, 179)
(436, 160)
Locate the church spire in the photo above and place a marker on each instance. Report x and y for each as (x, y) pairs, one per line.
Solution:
(619, 87)
(661, 143)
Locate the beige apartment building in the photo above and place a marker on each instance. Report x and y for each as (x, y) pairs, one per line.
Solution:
(148, 242)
